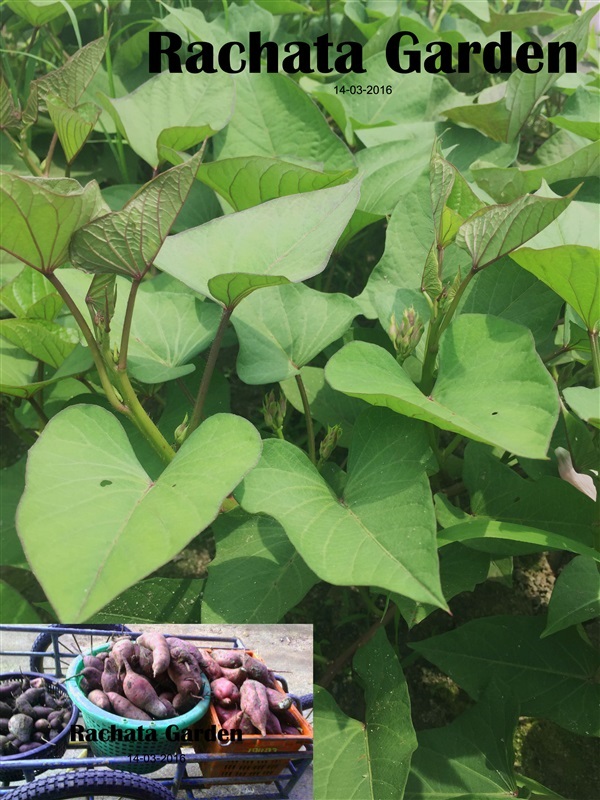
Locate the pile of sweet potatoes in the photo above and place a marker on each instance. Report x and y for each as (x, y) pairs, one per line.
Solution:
(245, 696)
(30, 715)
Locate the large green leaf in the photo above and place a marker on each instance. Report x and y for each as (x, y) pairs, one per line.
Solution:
(39, 12)
(381, 532)
(551, 678)
(585, 403)
(506, 184)
(171, 600)
(110, 526)
(495, 231)
(19, 376)
(15, 607)
(580, 114)
(491, 384)
(38, 217)
(572, 272)
(472, 757)
(291, 237)
(13, 483)
(72, 125)
(257, 576)
(576, 595)
(174, 111)
(126, 242)
(282, 329)
(250, 180)
(31, 295)
(44, 340)
(274, 118)
(356, 760)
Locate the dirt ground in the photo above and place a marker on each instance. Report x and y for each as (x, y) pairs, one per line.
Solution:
(287, 649)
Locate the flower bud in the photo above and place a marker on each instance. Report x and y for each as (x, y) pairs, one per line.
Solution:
(181, 431)
(585, 483)
(274, 411)
(329, 442)
(406, 335)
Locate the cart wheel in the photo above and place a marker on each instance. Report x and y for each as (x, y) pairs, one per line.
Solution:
(44, 642)
(91, 783)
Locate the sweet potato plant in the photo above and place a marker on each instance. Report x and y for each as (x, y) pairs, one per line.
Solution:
(343, 343)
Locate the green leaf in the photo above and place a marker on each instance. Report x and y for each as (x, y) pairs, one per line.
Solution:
(30, 295)
(485, 398)
(572, 272)
(472, 757)
(549, 677)
(585, 403)
(19, 370)
(44, 340)
(580, 114)
(126, 242)
(360, 538)
(257, 576)
(250, 180)
(100, 299)
(505, 184)
(38, 217)
(174, 111)
(168, 329)
(280, 330)
(371, 760)
(493, 529)
(68, 82)
(15, 607)
(72, 125)
(39, 12)
(13, 483)
(575, 597)
(274, 118)
(307, 227)
(175, 601)
(110, 526)
(495, 231)
(230, 289)
(326, 405)
(10, 117)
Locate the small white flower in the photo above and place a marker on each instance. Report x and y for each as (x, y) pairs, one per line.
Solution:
(585, 483)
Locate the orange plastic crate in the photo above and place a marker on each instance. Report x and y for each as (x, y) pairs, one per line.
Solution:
(252, 743)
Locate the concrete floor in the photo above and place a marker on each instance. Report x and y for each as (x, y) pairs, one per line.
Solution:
(287, 649)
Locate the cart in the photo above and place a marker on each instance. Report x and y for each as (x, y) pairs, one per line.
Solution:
(79, 774)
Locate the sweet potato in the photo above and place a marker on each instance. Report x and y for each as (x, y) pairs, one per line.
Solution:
(41, 712)
(4, 725)
(93, 677)
(225, 693)
(21, 726)
(141, 693)
(41, 725)
(236, 676)
(232, 659)
(5, 710)
(278, 701)
(225, 713)
(184, 702)
(233, 722)
(258, 671)
(161, 655)
(8, 690)
(209, 666)
(273, 724)
(123, 708)
(92, 661)
(246, 725)
(145, 662)
(121, 651)
(111, 681)
(186, 677)
(254, 702)
(99, 698)
(290, 730)
(285, 717)
(27, 746)
(167, 700)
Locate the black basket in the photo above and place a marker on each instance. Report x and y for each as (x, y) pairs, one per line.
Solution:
(53, 749)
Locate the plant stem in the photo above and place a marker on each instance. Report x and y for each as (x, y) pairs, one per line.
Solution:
(127, 325)
(91, 342)
(39, 411)
(310, 431)
(50, 155)
(26, 156)
(593, 334)
(141, 419)
(208, 371)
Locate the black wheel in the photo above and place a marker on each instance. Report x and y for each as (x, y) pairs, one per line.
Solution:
(91, 783)
(71, 642)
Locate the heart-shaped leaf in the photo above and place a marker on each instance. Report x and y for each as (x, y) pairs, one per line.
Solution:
(38, 217)
(126, 242)
(44, 340)
(170, 600)
(257, 575)
(357, 760)
(231, 289)
(72, 125)
(110, 526)
(284, 328)
(20, 371)
(174, 111)
(585, 403)
(360, 538)
(31, 295)
(505, 396)
(291, 237)
(575, 597)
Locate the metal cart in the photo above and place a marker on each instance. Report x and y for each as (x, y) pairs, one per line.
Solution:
(84, 777)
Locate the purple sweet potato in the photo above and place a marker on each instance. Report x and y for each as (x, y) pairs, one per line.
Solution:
(161, 655)
(278, 701)
(258, 671)
(122, 650)
(232, 659)
(255, 703)
(285, 717)
(246, 725)
(111, 681)
(209, 666)
(99, 698)
(123, 708)
(290, 730)
(145, 658)
(93, 678)
(141, 693)
(225, 693)
(273, 724)
(167, 700)
(233, 722)
(92, 661)
(225, 713)
(236, 676)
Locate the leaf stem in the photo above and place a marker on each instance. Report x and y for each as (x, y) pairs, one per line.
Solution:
(141, 419)
(310, 431)
(208, 371)
(25, 154)
(91, 342)
(595, 346)
(135, 285)
(50, 155)
(42, 416)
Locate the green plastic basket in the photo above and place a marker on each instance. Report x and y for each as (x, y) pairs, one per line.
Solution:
(96, 719)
